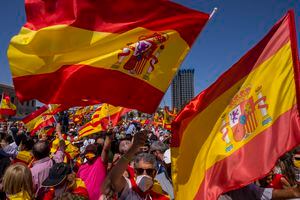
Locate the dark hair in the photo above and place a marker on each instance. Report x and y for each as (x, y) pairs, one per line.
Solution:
(4, 164)
(28, 143)
(8, 138)
(146, 157)
(41, 150)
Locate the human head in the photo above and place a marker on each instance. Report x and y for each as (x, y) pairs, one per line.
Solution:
(62, 145)
(18, 178)
(100, 140)
(91, 153)
(158, 149)
(41, 150)
(58, 175)
(6, 140)
(296, 159)
(124, 146)
(26, 143)
(145, 164)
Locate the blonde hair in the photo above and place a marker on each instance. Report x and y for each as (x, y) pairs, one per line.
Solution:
(17, 178)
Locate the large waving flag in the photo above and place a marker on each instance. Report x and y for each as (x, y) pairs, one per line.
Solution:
(104, 116)
(234, 131)
(40, 119)
(124, 52)
(6, 106)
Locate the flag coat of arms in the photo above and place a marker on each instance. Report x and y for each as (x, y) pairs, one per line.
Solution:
(123, 52)
(233, 132)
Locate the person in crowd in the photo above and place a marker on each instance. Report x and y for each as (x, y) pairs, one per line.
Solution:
(93, 171)
(17, 182)
(287, 169)
(62, 180)
(9, 146)
(42, 163)
(87, 141)
(25, 151)
(254, 192)
(59, 155)
(4, 164)
(142, 186)
(158, 149)
(276, 181)
(296, 166)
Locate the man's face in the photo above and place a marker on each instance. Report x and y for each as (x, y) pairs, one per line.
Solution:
(145, 168)
(124, 146)
(3, 143)
(100, 141)
(159, 155)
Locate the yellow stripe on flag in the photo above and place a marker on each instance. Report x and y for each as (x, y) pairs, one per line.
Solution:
(71, 45)
(192, 161)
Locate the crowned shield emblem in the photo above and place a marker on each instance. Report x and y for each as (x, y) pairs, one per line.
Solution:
(140, 58)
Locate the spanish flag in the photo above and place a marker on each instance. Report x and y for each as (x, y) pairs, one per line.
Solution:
(122, 52)
(104, 116)
(7, 107)
(233, 132)
(40, 119)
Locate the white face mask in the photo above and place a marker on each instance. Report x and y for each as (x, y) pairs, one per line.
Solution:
(144, 182)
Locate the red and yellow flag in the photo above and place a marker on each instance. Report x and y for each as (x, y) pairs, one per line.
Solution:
(233, 132)
(40, 119)
(7, 107)
(122, 52)
(104, 116)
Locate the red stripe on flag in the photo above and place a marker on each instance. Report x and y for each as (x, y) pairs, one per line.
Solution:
(34, 114)
(116, 16)
(265, 148)
(253, 58)
(7, 111)
(42, 125)
(111, 87)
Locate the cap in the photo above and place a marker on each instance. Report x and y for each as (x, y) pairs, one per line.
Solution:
(57, 174)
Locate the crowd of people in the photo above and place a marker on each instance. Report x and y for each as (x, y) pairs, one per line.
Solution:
(131, 160)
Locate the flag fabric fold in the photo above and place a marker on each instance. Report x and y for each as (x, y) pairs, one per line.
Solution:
(7, 107)
(41, 120)
(103, 117)
(119, 58)
(233, 132)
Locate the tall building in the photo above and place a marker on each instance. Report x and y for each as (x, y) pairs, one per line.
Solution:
(24, 108)
(182, 88)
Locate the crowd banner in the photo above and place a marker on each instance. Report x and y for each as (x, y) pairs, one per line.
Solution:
(122, 52)
(233, 132)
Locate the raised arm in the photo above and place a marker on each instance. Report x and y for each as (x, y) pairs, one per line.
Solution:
(115, 176)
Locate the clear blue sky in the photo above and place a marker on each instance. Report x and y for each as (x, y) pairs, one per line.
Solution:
(235, 28)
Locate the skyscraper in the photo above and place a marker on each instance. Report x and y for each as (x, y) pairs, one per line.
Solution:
(182, 88)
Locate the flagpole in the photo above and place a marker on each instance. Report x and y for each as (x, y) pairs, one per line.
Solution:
(108, 115)
(213, 12)
(2, 98)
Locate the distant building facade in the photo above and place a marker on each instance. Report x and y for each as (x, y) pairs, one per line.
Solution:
(182, 88)
(24, 108)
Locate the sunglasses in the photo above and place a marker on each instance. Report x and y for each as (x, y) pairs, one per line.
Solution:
(140, 171)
